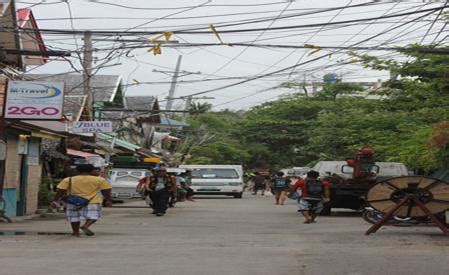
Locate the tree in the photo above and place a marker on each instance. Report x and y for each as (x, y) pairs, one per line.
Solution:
(199, 108)
(408, 122)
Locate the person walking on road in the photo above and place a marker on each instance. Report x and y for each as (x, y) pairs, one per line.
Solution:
(84, 187)
(259, 184)
(315, 192)
(187, 175)
(160, 186)
(280, 185)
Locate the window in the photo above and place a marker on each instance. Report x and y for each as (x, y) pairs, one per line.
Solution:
(215, 173)
(136, 174)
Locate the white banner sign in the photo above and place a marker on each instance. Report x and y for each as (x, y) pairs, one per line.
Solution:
(34, 100)
(92, 127)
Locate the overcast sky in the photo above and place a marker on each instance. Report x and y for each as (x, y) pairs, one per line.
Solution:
(225, 61)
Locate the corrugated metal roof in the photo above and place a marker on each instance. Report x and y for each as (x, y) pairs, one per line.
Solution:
(140, 102)
(55, 126)
(104, 87)
(119, 142)
(80, 153)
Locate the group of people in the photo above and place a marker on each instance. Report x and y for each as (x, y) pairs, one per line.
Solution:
(163, 189)
(311, 192)
(82, 201)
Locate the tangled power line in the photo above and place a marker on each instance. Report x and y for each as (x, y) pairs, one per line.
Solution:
(284, 23)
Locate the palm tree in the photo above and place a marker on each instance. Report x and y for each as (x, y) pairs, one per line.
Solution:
(199, 108)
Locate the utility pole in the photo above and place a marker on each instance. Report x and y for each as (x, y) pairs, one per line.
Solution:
(187, 107)
(171, 92)
(175, 75)
(87, 73)
(304, 88)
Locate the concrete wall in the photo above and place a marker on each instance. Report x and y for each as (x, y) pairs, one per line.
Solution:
(34, 181)
(8, 39)
(12, 175)
(13, 160)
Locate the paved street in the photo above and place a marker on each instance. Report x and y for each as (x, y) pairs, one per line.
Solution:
(222, 236)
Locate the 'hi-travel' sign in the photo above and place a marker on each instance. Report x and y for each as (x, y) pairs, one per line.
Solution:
(88, 127)
(34, 100)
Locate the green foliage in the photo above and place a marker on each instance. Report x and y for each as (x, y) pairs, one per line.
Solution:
(330, 125)
(45, 195)
(197, 107)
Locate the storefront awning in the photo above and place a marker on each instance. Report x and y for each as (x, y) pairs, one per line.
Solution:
(118, 142)
(80, 153)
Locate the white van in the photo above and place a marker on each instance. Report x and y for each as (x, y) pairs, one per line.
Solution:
(216, 179)
(124, 182)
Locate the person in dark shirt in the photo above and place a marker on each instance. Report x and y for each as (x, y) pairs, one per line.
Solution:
(314, 192)
(259, 184)
(280, 185)
(160, 186)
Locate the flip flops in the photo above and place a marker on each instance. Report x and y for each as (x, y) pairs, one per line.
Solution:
(87, 231)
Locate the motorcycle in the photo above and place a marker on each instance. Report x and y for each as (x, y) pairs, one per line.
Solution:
(372, 216)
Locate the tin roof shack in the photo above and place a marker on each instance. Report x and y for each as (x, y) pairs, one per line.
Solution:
(135, 126)
(23, 167)
(23, 170)
(27, 39)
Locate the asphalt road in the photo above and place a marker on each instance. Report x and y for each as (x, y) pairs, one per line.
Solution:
(221, 236)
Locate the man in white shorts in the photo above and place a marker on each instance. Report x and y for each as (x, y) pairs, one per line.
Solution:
(86, 186)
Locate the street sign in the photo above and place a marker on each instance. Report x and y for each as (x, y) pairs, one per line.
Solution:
(87, 127)
(34, 100)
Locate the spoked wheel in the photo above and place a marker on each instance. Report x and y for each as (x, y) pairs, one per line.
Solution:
(371, 216)
(432, 193)
(410, 196)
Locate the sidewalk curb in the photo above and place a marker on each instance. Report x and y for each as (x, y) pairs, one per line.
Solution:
(24, 218)
(40, 213)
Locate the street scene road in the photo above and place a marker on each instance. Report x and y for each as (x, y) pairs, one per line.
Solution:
(221, 236)
(224, 137)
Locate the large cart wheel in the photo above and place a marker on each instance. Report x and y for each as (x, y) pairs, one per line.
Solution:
(410, 196)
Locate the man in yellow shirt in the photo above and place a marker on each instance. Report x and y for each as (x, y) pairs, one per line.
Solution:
(87, 186)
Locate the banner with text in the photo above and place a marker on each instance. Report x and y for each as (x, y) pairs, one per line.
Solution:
(34, 100)
(87, 127)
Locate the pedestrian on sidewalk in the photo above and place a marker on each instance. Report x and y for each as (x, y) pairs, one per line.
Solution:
(160, 186)
(280, 185)
(314, 192)
(84, 187)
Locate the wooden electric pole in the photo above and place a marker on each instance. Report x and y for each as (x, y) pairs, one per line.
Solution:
(87, 73)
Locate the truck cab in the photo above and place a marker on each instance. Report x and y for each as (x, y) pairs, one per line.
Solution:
(350, 192)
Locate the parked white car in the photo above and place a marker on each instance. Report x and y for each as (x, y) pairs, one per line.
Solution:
(216, 179)
(124, 182)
